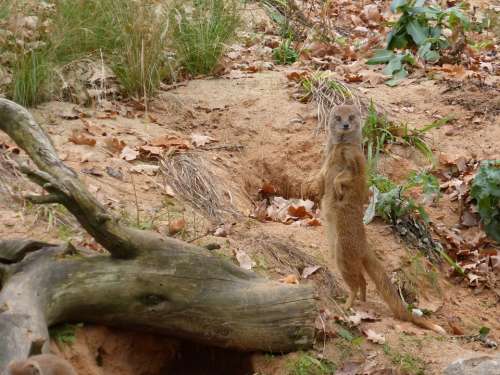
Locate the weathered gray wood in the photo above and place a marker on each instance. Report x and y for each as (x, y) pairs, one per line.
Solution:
(149, 282)
(183, 292)
(12, 251)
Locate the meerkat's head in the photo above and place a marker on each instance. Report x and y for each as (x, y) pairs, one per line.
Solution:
(345, 119)
(24, 368)
(344, 125)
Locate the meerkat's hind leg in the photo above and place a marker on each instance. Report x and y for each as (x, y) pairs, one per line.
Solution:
(363, 288)
(356, 283)
(351, 298)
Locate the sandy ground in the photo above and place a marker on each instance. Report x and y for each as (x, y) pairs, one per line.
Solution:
(267, 137)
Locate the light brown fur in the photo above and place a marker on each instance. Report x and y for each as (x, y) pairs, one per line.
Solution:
(343, 187)
(42, 364)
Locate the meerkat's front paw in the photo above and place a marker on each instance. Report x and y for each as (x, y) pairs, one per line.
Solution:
(338, 191)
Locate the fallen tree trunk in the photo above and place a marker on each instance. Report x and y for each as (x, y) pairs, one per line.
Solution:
(149, 282)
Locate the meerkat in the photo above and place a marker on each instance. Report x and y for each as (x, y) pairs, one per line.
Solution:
(344, 190)
(42, 364)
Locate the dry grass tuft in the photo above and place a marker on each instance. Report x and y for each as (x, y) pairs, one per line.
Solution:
(191, 179)
(328, 92)
(287, 256)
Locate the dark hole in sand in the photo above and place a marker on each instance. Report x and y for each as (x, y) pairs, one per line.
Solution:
(196, 359)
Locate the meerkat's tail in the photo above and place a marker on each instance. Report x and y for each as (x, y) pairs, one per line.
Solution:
(374, 269)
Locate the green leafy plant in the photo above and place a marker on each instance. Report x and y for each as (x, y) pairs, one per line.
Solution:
(420, 30)
(285, 54)
(394, 206)
(421, 27)
(130, 36)
(352, 339)
(486, 191)
(65, 333)
(396, 64)
(5, 9)
(200, 36)
(392, 203)
(428, 182)
(306, 364)
(378, 132)
(31, 78)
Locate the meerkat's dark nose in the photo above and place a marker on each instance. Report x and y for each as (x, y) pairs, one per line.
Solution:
(345, 126)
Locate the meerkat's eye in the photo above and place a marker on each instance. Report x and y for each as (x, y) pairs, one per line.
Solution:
(352, 117)
(338, 118)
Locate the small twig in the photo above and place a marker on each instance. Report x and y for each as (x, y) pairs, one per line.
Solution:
(136, 201)
(224, 147)
(172, 86)
(323, 325)
(144, 78)
(199, 237)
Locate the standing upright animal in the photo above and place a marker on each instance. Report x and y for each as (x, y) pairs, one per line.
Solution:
(343, 188)
(42, 364)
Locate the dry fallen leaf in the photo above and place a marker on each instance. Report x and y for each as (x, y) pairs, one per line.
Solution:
(175, 226)
(360, 316)
(371, 14)
(116, 173)
(267, 189)
(91, 156)
(223, 231)
(92, 128)
(455, 326)
(353, 78)
(314, 222)
(296, 75)
(298, 211)
(289, 211)
(199, 140)
(244, 260)
(289, 279)
(167, 141)
(374, 336)
(79, 138)
(169, 190)
(458, 71)
(147, 169)
(260, 211)
(309, 270)
(114, 144)
(129, 154)
(151, 151)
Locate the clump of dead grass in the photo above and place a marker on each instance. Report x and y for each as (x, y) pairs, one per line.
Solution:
(328, 92)
(288, 257)
(191, 179)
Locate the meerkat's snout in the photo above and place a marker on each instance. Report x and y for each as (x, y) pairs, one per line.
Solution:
(345, 126)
